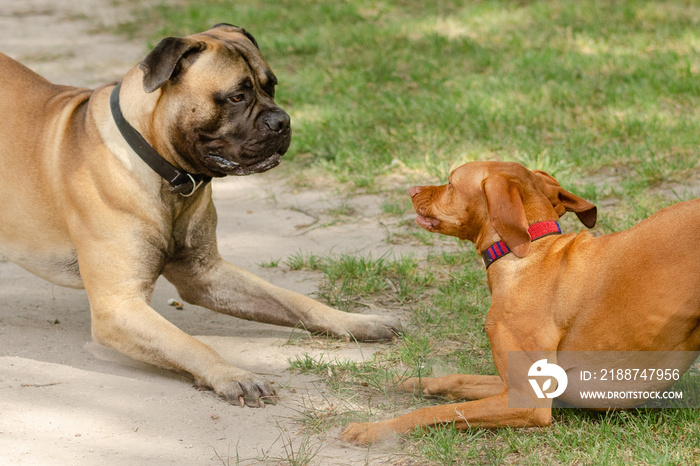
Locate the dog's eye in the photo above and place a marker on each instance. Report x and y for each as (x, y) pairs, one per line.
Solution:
(237, 98)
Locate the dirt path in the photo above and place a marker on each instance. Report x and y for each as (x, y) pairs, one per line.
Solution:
(66, 400)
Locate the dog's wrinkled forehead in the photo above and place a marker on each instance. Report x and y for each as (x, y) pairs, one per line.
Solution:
(242, 42)
(474, 173)
(468, 176)
(232, 28)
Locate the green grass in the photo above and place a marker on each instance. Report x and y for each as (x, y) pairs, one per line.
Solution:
(350, 279)
(567, 86)
(604, 95)
(447, 295)
(270, 264)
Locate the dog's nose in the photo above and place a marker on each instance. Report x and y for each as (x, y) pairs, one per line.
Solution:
(414, 190)
(277, 120)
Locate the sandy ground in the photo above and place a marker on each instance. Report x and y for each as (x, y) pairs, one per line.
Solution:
(67, 400)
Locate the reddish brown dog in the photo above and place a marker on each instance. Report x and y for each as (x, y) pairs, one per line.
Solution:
(636, 290)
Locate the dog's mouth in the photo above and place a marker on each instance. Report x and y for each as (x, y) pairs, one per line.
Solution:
(428, 223)
(229, 167)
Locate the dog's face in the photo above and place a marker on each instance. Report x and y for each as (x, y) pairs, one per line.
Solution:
(484, 201)
(216, 110)
(455, 209)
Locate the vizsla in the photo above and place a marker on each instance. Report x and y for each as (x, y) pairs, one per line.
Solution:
(635, 290)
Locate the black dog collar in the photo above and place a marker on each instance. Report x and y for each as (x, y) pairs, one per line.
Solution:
(181, 182)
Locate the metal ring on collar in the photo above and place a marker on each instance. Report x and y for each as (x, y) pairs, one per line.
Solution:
(195, 186)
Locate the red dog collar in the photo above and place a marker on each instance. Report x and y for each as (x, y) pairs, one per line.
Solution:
(536, 230)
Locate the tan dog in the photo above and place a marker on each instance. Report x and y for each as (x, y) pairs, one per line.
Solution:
(86, 201)
(636, 290)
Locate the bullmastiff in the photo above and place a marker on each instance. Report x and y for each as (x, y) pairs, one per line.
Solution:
(107, 189)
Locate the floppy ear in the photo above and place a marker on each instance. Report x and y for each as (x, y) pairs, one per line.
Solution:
(507, 213)
(162, 63)
(564, 201)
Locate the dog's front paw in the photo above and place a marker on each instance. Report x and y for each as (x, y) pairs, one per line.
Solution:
(364, 433)
(370, 327)
(244, 389)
